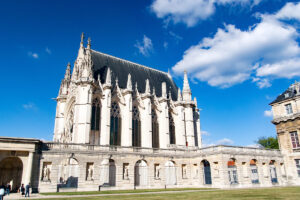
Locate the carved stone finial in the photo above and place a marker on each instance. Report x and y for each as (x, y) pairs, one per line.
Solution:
(129, 82)
(147, 88)
(164, 90)
(154, 91)
(89, 43)
(68, 72)
(195, 101)
(179, 95)
(82, 38)
(108, 77)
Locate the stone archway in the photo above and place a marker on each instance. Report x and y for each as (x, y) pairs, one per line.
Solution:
(11, 170)
(206, 172)
(141, 173)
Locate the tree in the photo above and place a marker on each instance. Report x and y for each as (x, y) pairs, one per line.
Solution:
(268, 142)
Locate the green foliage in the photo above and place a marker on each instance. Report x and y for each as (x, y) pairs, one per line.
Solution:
(268, 142)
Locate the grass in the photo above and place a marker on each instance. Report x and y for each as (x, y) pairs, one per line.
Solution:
(123, 191)
(286, 193)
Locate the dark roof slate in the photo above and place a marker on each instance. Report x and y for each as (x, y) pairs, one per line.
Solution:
(288, 94)
(121, 68)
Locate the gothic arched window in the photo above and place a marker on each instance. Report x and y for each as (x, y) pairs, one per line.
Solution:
(115, 125)
(172, 129)
(155, 130)
(195, 119)
(136, 127)
(95, 119)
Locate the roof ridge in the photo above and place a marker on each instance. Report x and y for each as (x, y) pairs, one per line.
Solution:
(121, 59)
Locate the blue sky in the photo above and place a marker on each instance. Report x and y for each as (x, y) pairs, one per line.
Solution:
(240, 54)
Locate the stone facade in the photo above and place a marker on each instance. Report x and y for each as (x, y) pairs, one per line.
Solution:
(120, 125)
(286, 111)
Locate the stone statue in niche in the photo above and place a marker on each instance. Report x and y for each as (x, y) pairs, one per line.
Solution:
(46, 173)
(184, 175)
(196, 172)
(90, 172)
(126, 172)
(157, 172)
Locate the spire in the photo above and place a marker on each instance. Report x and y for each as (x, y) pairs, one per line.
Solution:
(108, 77)
(82, 38)
(89, 43)
(68, 72)
(147, 89)
(164, 90)
(186, 91)
(186, 85)
(129, 83)
(179, 95)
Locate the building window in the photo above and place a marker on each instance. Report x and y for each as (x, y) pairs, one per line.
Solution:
(232, 172)
(172, 129)
(155, 130)
(295, 140)
(95, 122)
(136, 127)
(298, 166)
(288, 108)
(115, 125)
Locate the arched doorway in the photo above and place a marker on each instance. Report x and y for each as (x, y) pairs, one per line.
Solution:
(254, 172)
(141, 173)
(11, 170)
(232, 171)
(112, 172)
(170, 172)
(206, 172)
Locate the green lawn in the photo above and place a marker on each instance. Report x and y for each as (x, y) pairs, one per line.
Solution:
(123, 191)
(288, 193)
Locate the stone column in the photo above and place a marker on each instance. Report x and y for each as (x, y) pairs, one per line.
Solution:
(146, 123)
(28, 168)
(82, 115)
(164, 136)
(105, 116)
(126, 133)
(179, 126)
(189, 125)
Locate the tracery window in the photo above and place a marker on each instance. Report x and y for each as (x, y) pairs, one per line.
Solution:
(115, 125)
(172, 129)
(295, 140)
(136, 127)
(95, 119)
(155, 130)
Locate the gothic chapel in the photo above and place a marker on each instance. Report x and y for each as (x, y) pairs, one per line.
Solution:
(111, 101)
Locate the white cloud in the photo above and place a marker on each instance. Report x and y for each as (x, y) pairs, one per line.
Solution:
(48, 50)
(268, 113)
(34, 55)
(205, 133)
(28, 106)
(144, 47)
(224, 141)
(289, 11)
(190, 12)
(265, 51)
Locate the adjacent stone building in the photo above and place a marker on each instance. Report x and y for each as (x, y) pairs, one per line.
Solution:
(121, 125)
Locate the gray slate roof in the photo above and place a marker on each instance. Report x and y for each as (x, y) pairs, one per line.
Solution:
(288, 94)
(121, 68)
